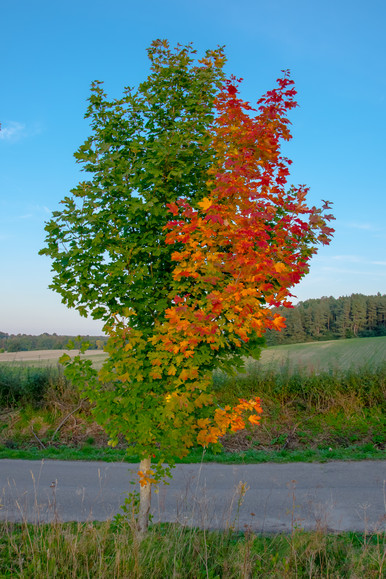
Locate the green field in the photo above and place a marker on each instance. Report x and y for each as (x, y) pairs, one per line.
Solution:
(330, 355)
(311, 356)
(45, 358)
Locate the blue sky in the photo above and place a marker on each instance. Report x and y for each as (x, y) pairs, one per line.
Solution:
(50, 52)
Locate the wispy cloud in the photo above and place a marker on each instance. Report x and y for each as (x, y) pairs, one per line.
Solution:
(338, 271)
(346, 258)
(13, 131)
(34, 211)
(363, 226)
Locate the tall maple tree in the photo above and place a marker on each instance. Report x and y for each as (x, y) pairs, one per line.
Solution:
(182, 241)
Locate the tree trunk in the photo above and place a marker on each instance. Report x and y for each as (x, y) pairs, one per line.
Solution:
(144, 498)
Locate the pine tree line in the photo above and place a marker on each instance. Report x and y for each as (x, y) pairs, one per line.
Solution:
(328, 318)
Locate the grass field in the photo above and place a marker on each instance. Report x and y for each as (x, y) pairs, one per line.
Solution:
(330, 355)
(313, 356)
(41, 358)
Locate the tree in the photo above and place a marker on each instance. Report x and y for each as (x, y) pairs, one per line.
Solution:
(357, 313)
(183, 241)
(294, 327)
(343, 316)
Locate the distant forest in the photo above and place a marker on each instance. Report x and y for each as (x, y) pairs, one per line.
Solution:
(25, 342)
(310, 321)
(355, 316)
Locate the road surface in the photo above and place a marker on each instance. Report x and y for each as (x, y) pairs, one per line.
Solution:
(268, 498)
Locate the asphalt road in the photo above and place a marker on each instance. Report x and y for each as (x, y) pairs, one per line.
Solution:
(268, 498)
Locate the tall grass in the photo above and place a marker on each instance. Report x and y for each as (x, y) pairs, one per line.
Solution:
(23, 384)
(173, 551)
(331, 410)
(302, 411)
(285, 383)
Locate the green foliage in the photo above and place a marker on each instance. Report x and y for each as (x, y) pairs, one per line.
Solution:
(147, 149)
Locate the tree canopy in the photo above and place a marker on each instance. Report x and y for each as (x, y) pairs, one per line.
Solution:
(183, 241)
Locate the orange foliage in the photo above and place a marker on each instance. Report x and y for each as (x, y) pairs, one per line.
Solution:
(240, 251)
(233, 418)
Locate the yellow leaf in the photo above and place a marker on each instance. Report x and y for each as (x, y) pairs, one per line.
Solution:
(205, 204)
(172, 371)
(280, 267)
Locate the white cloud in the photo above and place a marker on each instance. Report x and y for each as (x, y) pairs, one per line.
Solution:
(346, 258)
(338, 272)
(363, 226)
(12, 131)
(33, 211)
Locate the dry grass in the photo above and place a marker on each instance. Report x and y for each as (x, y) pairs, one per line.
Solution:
(105, 550)
(44, 357)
